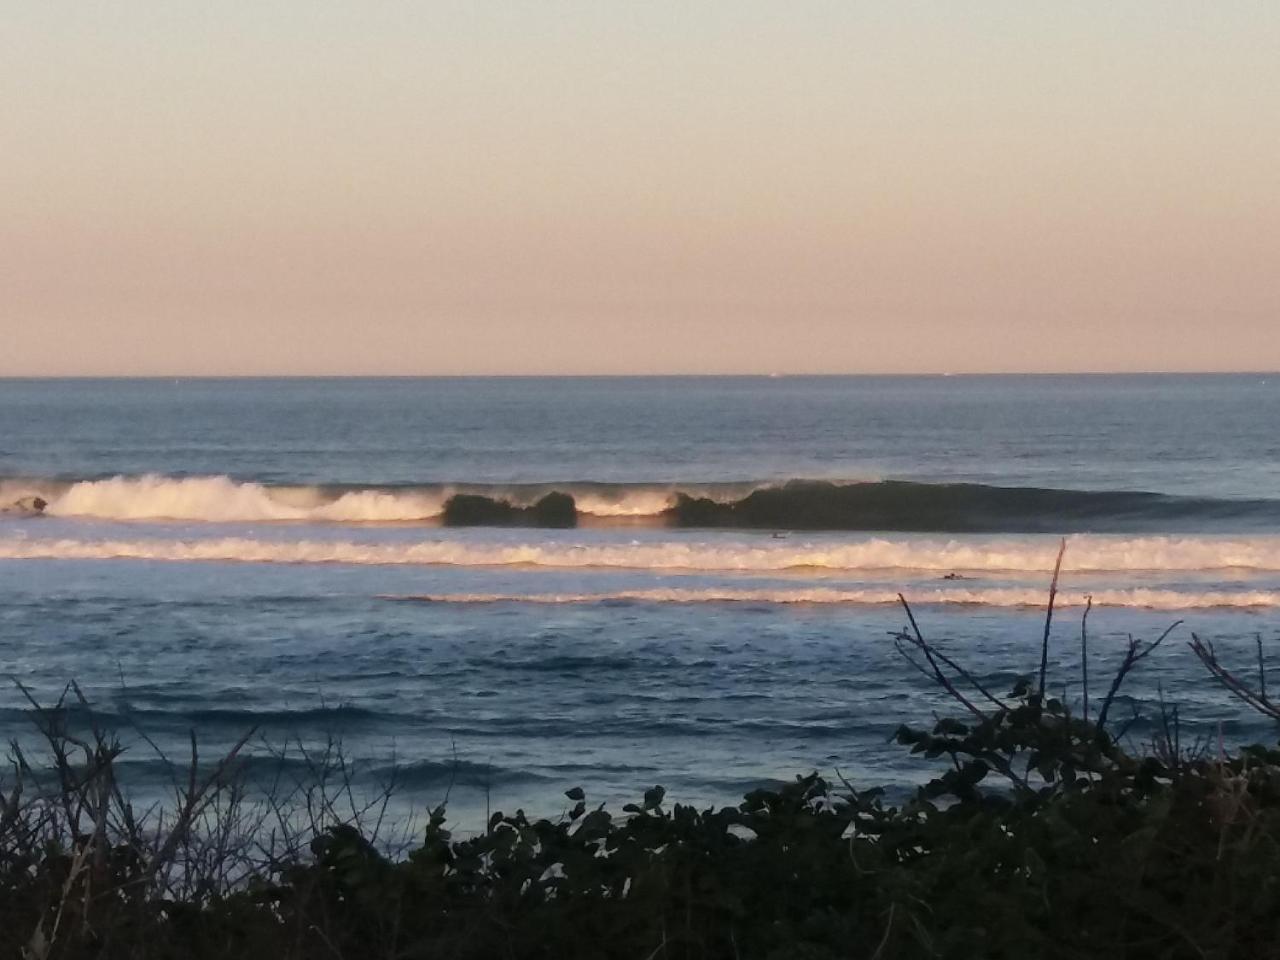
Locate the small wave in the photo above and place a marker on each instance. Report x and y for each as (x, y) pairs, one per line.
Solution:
(568, 664)
(282, 717)
(1147, 599)
(1085, 554)
(125, 714)
(434, 773)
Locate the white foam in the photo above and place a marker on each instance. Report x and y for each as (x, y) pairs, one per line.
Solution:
(646, 500)
(220, 499)
(631, 503)
(370, 506)
(223, 500)
(153, 497)
(1085, 554)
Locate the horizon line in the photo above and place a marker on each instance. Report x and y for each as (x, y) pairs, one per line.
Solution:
(779, 375)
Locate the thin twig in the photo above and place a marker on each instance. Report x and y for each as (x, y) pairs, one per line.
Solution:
(1257, 700)
(924, 647)
(1132, 656)
(1084, 653)
(1048, 615)
(1262, 669)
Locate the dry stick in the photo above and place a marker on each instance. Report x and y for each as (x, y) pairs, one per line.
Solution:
(1209, 657)
(888, 929)
(1048, 616)
(197, 799)
(1134, 717)
(1169, 742)
(1177, 735)
(46, 725)
(1131, 658)
(944, 681)
(1000, 704)
(900, 641)
(1262, 669)
(13, 802)
(104, 754)
(903, 639)
(941, 677)
(133, 823)
(98, 759)
(320, 770)
(1084, 653)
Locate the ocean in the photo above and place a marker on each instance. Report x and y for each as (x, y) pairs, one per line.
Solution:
(394, 563)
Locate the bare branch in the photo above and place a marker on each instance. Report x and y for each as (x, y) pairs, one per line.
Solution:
(1048, 616)
(1084, 653)
(1132, 657)
(1258, 700)
(924, 647)
(1262, 669)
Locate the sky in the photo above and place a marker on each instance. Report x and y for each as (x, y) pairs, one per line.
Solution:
(341, 187)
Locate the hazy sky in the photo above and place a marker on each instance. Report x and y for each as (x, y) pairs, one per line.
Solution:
(600, 187)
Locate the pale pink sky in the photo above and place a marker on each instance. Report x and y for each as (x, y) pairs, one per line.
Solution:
(609, 187)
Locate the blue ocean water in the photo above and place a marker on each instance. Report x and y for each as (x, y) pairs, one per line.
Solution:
(220, 554)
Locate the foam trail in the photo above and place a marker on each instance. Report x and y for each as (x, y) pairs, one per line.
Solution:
(1085, 554)
(1147, 599)
(223, 500)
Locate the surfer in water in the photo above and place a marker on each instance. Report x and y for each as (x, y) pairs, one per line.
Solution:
(27, 506)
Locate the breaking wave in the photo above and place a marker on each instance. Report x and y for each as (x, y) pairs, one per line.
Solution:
(738, 555)
(880, 505)
(221, 499)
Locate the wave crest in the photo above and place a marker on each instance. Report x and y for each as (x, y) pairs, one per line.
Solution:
(1085, 554)
(223, 500)
(884, 505)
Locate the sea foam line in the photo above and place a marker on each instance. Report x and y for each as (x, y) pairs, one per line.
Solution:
(1148, 599)
(1085, 554)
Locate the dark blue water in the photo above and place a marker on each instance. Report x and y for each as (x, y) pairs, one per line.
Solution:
(220, 554)
(1211, 435)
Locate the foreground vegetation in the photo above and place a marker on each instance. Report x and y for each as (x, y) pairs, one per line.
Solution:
(1039, 836)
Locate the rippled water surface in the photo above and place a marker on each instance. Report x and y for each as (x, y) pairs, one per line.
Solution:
(221, 554)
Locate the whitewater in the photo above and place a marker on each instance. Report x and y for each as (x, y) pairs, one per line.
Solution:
(1085, 554)
(222, 499)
